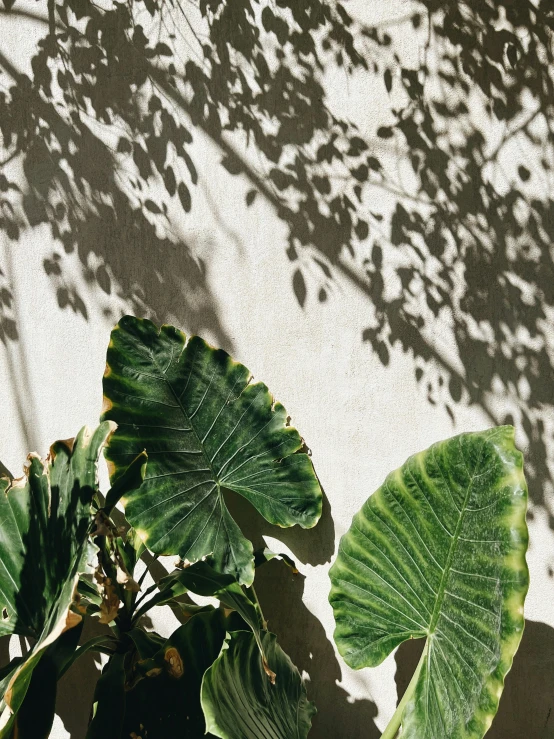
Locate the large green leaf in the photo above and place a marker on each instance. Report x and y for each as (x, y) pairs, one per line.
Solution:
(205, 427)
(240, 702)
(44, 547)
(439, 552)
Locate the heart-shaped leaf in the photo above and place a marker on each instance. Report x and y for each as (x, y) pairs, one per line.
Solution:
(44, 547)
(240, 702)
(205, 427)
(438, 552)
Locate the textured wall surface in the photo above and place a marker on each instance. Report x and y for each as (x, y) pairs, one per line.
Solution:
(363, 404)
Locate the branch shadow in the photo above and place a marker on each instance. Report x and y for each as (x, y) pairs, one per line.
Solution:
(450, 198)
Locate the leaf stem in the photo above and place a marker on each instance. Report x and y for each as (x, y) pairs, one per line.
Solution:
(144, 595)
(264, 622)
(394, 725)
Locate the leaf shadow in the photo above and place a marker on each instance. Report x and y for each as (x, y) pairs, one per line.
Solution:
(313, 546)
(303, 638)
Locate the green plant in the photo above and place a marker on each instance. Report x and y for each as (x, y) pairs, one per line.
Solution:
(438, 552)
(182, 422)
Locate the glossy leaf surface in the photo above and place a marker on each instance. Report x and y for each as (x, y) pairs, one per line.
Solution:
(240, 702)
(438, 552)
(44, 547)
(205, 427)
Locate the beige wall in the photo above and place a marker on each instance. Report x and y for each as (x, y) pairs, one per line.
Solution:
(359, 417)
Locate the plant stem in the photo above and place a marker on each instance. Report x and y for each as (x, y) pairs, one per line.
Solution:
(145, 594)
(392, 729)
(264, 622)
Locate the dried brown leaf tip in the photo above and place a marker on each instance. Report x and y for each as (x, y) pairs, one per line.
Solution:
(110, 598)
(175, 666)
(125, 579)
(104, 526)
(268, 671)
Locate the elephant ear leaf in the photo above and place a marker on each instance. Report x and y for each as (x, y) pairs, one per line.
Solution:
(438, 552)
(44, 547)
(239, 700)
(205, 427)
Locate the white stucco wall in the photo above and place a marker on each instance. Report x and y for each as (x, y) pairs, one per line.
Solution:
(359, 418)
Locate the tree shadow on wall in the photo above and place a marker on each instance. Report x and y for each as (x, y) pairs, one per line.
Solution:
(527, 703)
(102, 130)
(443, 218)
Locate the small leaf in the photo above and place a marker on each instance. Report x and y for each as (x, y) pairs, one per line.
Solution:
(163, 49)
(361, 173)
(388, 79)
(281, 179)
(191, 168)
(524, 173)
(385, 132)
(170, 181)
(362, 229)
(322, 185)
(152, 207)
(233, 165)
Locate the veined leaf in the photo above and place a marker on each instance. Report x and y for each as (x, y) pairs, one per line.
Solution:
(44, 547)
(205, 427)
(438, 552)
(238, 700)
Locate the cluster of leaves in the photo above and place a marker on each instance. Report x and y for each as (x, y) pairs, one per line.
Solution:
(438, 552)
(221, 671)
